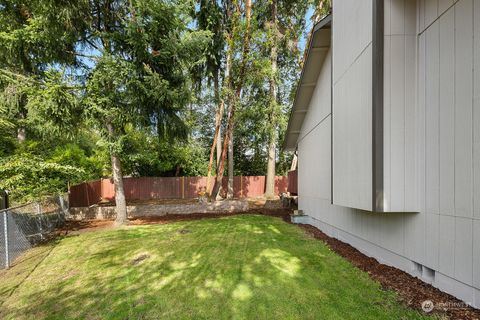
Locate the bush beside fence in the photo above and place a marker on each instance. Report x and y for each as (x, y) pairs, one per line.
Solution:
(146, 188)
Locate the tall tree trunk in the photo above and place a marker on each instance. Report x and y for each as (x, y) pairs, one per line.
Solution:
(217, 140)
(219, 147)
(21, 132)
(270, 179)
(230, 167)
(120, 202)
(319, 11)
(234, 100)
(221, 166)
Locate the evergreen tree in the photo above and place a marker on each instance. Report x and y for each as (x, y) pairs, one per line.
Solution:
(143, 56)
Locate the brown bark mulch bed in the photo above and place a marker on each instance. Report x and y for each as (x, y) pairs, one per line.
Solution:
(411, 291)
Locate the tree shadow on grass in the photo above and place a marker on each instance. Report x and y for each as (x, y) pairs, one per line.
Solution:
(236, 267)
(24, 266)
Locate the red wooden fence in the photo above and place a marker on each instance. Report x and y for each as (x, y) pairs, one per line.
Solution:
(293, 182)
(146, 188)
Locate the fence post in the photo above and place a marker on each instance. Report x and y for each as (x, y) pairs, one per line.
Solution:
(86, 191)
(39, 216)
(5, 230)
(62, 209)
(183, 187)
(61, 202)
(241, 186)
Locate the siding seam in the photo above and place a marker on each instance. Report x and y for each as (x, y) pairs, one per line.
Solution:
(454, 134)
(439, 144)
(378, 26)
(354, 61)
(314, 127)
(436, 19)
(473, 140)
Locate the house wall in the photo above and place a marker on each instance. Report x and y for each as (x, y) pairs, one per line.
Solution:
(400, 192)
(449, 108)
(352, 103)
(441, 243)
(314, 142)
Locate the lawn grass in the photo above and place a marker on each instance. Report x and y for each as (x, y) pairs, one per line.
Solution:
(243, 267)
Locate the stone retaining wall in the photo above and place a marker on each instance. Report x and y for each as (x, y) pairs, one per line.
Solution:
(108, 212)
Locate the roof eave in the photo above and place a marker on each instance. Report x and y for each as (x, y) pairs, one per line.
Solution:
(291, 135)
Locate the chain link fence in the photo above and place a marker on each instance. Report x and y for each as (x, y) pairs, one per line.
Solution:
(25, 226)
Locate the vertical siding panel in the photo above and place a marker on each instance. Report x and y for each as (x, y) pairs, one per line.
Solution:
(352, 35)
(392, 236)
(353, 135)
(410, 124)
(431, 240)
(463, 249)
(432, 117)
(415, 236)
(476, 111)
(325, 159)
(410, 17)
(476, 253)
(463, 108)
(397, 156)
(421, 15)
(447, 113)
(447, 245)
(417, 222)
(398, 17)
(431, 11)
(386, 122)
(443, 5)
(421, 122)
(387, 18)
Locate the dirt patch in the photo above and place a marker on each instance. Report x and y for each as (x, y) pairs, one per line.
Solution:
(139, 259)
(282, 213)
(412, 291)
(77, 227)
(70, 274)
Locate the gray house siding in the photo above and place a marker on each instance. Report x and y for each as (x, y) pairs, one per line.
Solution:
(431, 143)
(400, 192)
(352, 83)
(447, 108)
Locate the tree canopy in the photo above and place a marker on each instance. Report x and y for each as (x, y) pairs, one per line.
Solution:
(140, 87)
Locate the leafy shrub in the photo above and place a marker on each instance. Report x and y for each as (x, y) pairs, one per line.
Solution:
(28, 177)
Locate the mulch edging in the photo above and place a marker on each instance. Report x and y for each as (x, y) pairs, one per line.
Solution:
(412, 291)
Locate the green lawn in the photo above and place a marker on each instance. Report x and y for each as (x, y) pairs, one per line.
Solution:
(243, 267)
